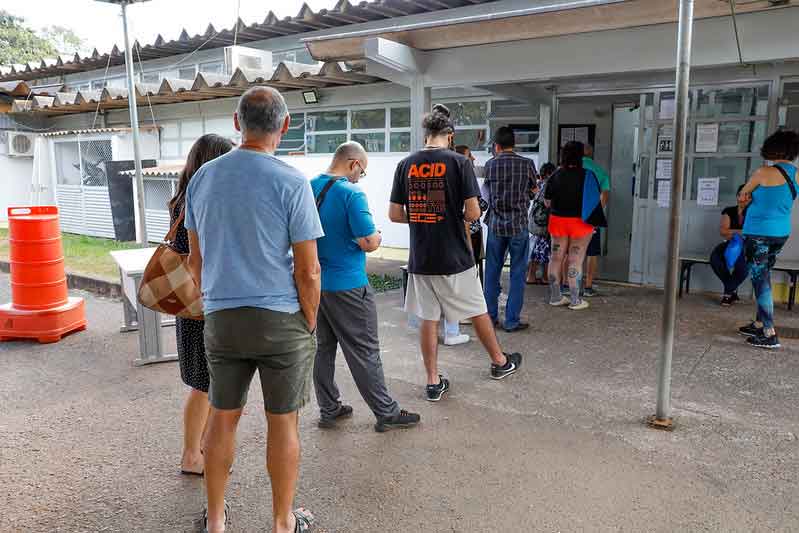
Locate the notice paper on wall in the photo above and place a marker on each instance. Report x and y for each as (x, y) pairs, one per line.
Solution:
(707, 138)
(707, 191)
(663, 169)
(664, 193)
(667, 108)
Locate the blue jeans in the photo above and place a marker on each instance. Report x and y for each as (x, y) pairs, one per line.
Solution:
(761, 255)
(496, 249)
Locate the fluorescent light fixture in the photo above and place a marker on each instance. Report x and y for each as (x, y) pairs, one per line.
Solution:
(311, 96)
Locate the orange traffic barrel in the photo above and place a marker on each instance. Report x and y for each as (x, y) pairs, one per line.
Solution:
(40, 305)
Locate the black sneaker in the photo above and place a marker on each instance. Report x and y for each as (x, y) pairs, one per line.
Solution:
(750, 330)
(401, 420)
(761, 341)
(328, 422)
(726, 300)
(511, 366)
(589, 292)
(436, 392)
(521, 326)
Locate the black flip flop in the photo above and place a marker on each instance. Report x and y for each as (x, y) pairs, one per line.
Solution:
(304, 521)
(205, 517)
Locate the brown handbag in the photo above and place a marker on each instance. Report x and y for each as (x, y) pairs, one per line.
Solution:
(167, 286)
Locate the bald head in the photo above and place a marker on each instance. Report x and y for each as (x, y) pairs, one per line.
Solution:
(349, 151)
(261, 111)
(350, 160)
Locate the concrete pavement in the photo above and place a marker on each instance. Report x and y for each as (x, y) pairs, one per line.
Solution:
(90, 443)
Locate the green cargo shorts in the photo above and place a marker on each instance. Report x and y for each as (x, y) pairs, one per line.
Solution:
(279, 345)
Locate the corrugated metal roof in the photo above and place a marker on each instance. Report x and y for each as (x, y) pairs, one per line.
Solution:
(343, 14)
(92, 131)
(287, 76)
(171, 170)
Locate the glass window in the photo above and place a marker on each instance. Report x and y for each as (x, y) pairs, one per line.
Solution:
(372, 142)
(400, 117)
(368, 119)
(191, 129)
(67, 163)
(747, 101)
(400, 141)
(214, 67)
(170, 130)
(731, 171)
(469, 113)
(474, 139)
(294, 139)
(221, 126)
(151, 77)
(187, 73)
(118, 83)
(327, 121)
(324, 144)
(98, 85)
(170, 149)
(526, 140)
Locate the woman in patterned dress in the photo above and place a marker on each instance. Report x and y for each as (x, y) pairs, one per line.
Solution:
(189, 333)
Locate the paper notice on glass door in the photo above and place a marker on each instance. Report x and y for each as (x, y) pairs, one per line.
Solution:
(707, 138)
(664, 193)
(663, 169)
(707, 191)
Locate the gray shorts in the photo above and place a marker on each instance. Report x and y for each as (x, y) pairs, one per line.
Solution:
(279, 345)
(457, 296)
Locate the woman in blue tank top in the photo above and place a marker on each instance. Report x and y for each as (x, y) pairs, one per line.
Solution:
(767, 227)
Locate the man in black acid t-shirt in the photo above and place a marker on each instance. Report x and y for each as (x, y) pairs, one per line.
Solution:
(435, 192)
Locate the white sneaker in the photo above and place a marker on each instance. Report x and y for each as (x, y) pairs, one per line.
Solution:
(577, 307)
(457, 339)
(560, 303)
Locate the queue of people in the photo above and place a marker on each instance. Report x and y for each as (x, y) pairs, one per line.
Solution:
(284, 289)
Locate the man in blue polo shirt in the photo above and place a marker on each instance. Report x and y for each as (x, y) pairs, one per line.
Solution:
(347, 310)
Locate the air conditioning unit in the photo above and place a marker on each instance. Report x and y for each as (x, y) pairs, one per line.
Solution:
(20, 144)
(247, 58)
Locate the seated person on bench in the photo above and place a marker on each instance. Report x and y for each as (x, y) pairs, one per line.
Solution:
(732, 221)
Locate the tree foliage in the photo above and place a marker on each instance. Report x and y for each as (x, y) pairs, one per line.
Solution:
(63, 39)
(20, 44)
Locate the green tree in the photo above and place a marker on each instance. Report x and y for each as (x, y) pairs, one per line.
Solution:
(19, 44)
(63, 39)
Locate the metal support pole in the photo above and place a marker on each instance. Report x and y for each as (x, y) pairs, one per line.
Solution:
(420, 104)
(141, 234)
(662, 418)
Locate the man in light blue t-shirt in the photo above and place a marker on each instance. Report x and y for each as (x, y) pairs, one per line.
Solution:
(347, 310)
(252, 226)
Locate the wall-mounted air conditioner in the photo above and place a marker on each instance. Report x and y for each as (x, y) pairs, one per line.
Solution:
(247, 58)
(20, 144)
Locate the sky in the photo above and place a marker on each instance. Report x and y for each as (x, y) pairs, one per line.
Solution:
(101, 26)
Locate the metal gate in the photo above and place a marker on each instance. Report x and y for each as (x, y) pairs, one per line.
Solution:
(82, 185)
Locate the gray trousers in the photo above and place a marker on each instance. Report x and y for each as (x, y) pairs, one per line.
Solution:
(349, 318)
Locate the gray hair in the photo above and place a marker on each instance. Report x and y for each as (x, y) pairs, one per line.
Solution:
(261, 111)
(349, 150)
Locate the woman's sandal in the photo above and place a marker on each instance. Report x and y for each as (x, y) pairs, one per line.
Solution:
(304, 519)
(205, 517)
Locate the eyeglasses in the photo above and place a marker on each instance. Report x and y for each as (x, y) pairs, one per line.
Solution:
(363, 170)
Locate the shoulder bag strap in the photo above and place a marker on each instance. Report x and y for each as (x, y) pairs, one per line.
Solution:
(788, 180)
(173, 231)
(323, 192)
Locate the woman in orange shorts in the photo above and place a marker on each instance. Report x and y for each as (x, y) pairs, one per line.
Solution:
(570, 234)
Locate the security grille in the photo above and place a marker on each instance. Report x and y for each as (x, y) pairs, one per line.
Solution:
(158, 191)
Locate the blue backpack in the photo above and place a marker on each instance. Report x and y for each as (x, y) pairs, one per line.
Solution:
(735, 248)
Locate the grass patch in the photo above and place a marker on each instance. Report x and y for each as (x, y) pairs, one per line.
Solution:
(385, 282)
(84, 255)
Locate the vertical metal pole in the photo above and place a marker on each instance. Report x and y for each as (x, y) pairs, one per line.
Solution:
(141, 234)
(662, 417)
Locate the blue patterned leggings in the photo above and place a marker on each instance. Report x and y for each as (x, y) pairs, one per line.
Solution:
(761, 255)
